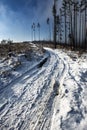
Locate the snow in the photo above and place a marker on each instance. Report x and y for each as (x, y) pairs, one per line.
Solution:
(70, 113)
(51, 96)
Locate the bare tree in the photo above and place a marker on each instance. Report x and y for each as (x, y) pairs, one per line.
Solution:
(84, 9)
(70, 9)
(73, 12)
(57, 28)
(48, 22)
(33, 29)
(54, 15)
(38, 26)
(80, 15)
(61, 25)
(32, 32)
(65, 15)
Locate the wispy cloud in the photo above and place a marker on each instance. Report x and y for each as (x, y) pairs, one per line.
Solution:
(43, 10)
(16, 23)
(12, 23)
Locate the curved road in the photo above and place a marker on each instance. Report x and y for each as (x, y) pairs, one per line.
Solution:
(28, 101)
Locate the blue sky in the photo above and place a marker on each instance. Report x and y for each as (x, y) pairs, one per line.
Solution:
(17, 16)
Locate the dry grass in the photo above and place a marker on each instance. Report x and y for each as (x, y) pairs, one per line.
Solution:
(78, 51)
(23, 47)
(17, 48)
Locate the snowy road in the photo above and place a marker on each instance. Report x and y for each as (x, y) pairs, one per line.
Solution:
(28, 101)
(35, 101)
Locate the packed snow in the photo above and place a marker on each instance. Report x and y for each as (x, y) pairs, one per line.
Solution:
(47, 92)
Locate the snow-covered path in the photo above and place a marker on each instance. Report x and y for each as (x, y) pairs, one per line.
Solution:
(70, 110)
(47, 97)
(28, 101)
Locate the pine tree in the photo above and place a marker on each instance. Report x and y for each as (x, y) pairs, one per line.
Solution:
(64, 7)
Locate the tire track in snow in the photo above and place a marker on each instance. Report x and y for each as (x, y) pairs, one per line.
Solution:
(59, 84)
(76, 111)
(43, 95)
(31, 73)
(11, 107)
(10, 104)
(43, 120)
(32, 109)
(24, 74)
(76, 103)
